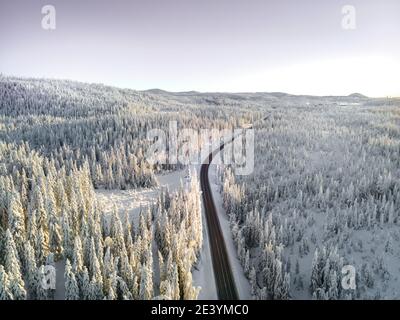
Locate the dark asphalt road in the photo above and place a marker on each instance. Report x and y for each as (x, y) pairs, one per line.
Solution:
(225, 282)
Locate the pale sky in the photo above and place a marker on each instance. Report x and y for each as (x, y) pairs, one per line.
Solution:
(293, 46)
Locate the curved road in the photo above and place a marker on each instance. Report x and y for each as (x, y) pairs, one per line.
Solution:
(225, 282)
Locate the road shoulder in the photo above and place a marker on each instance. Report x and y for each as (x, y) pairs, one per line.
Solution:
(242, 283)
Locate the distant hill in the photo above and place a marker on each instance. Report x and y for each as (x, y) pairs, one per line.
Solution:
(358, 95)
(156, 91)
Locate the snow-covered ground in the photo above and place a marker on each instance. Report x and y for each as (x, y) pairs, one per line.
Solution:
(134, 200)
(60, 280)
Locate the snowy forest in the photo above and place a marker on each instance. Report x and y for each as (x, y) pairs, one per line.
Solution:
(324, 194)
(59, 142)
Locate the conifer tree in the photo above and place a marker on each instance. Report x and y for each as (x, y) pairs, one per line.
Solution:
(146, 284)
(32, 272)
(85, 284)
(5, 291)
(17, 222)
(13, 268)
(71, 285)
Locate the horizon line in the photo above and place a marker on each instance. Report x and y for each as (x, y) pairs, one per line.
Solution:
(193, 90)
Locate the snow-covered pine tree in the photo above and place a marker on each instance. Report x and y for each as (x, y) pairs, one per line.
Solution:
(16, 221)
(77, 255)
(13, 268)
(85, 285)
(31, 271)
(146, 284)
(71, 284)
(5, 290)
